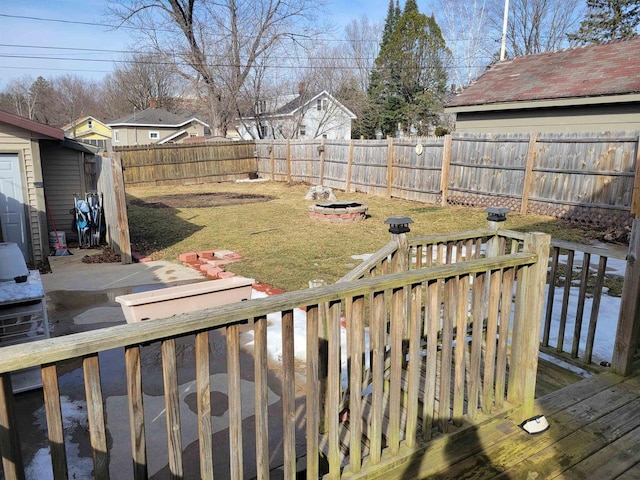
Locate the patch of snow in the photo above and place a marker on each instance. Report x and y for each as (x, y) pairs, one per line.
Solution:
(74, 416)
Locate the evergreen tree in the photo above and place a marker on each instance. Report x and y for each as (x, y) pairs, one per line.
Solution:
(408, 82)
(608, 20)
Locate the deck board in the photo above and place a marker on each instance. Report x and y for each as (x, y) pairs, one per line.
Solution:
(594, 433)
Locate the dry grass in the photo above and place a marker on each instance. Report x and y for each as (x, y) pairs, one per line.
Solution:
(282, 245)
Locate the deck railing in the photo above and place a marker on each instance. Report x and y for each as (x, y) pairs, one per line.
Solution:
(448, 359)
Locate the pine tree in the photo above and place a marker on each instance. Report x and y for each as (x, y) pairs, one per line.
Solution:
(408, 82)
(608, 20)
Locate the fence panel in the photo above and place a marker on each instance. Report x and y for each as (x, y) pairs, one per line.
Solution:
(336, 164)
(487, 170)
(152, 165)
(417, 172)
(584, 177)
(369, 167)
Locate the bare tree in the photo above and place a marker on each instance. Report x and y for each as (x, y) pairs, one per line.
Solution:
(138, 80)
(536, 26)
(21, 98)
(363, 45)
(75, 97)
(216, 44)
(465, 26)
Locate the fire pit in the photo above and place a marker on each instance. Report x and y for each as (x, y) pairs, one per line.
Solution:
(338, 212)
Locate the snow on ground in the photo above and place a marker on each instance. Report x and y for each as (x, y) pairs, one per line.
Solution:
(74, 415)
(605, 330)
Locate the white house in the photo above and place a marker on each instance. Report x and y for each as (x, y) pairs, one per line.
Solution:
(298, 116)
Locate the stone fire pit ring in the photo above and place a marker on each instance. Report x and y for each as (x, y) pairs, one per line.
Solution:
(338, 212)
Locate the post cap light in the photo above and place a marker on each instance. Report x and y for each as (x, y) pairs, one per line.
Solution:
(398, 224)
(497, 214)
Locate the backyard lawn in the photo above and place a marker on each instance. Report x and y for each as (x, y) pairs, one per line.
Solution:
(268, 223)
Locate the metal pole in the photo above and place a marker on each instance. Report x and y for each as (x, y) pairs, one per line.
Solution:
(503, 46)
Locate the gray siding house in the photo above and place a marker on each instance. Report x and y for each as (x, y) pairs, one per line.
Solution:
(37, 161)
(155, 125)
(595, 88)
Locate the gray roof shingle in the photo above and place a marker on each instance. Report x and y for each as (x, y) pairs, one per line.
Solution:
(153, 116)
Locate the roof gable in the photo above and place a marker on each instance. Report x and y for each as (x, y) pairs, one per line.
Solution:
(593, 70)
(31, 125)
(303, 101)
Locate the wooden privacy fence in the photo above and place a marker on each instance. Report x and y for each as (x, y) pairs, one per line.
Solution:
(465, 355)
(179, 164)
(110, 183)
(588, 178)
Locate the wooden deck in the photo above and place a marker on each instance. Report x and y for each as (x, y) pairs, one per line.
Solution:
(594, 433)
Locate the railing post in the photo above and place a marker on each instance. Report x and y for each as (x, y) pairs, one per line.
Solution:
(323, 356)
(629, 318)
(9, 441)
(527, 323)
(398, 228)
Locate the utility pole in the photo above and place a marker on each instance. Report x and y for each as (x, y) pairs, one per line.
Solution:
(503, 46)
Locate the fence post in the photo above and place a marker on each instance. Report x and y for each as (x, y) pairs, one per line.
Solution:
(528, 173)
(124, 243)
(629, 317)
(389, 165)
(635, 199)
(444, 171)
(288, 160)
(322, 158)
(272, 161)
(527, 323)
(347, 188)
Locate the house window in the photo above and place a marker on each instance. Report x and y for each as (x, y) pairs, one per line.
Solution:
(90, 123)
(303, 130)
(154, 135)
(321, 104)
(264, 131)
(261, 106)
(116, 136)
(191, 135)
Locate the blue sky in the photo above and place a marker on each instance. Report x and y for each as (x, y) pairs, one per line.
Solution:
(16, 34)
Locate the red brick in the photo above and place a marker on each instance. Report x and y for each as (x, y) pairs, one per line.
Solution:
(138, 257)
(226, 275)
(189, 257)
(206, 254)
(210, 269)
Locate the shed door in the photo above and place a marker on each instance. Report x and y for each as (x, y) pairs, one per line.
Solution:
(12, 218)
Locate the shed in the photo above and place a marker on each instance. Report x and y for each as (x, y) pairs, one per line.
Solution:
(36, 161)
(593, 88)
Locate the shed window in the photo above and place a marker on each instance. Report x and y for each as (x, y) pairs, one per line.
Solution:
(116, 136)
(154, 135)
(303, 130)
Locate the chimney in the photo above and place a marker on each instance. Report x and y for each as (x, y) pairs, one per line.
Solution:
(153, 103)
(302, 88)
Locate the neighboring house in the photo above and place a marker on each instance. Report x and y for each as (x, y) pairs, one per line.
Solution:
(89, 130)
(155, 125)
(37, 161)
(301, 116)
(587, 89)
